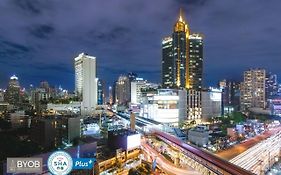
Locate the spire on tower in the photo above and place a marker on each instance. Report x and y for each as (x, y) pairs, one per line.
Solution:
(181, 15)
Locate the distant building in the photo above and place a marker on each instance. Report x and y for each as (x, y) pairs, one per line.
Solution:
(122, 90)
(253, 89)
(138, 86)
(39, 99)
(110, 95)
(2, 94)
(271, 86)
(230, 95)
(48, 89)
(230, 92)
(12, 95)
(132, 76)
(71, 108)
(211, 103)
(199, 136)
(18, 119)
(86, 82)
(101, 92)
(165, 106)
(275, 105)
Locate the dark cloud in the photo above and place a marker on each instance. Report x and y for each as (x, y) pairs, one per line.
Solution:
(31, 6)
(13, 48)
(42, 31)
(39, 39)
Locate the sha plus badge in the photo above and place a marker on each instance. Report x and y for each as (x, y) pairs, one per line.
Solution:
(60, 163)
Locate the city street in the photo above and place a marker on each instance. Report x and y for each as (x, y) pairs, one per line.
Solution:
(164, 164)
(240, 148)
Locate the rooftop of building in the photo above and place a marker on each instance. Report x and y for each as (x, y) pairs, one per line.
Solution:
(123, 132)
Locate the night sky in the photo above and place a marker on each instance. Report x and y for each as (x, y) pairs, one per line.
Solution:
(40, 38)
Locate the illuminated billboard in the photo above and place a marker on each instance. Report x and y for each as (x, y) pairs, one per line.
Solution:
(133, 141)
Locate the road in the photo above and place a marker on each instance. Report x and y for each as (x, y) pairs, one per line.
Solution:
(166, 165)
(240, 148)
(260, 157)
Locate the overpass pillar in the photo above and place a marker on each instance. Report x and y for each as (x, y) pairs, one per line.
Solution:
(177, 159)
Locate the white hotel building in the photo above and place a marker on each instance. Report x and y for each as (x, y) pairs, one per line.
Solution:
(86, 82)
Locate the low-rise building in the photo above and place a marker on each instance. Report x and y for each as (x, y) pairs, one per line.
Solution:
(72, 107)
(165, 106)
(199, 135)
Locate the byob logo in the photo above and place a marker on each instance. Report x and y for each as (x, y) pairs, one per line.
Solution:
(24, 165)
(60, 163)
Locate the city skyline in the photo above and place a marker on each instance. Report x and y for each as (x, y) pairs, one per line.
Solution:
(43, 38)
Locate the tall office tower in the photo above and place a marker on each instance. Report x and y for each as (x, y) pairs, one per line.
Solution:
(12, 95)
(181, 52)
(48, 89)
(86, 82)
(110, 95)
(122, 90)
(182, 58)
(253, 89)
(271, 86)
(167, 63)
(101, 92)
(195, 63)
(182, 64)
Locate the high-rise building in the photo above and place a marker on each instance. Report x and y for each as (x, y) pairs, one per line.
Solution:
(181, 52)
(12, 95)
(122, 90)
(167, 63)
(39, 99)
(253, 89)
(230, 94)
(182, 58)
(195, 62)
(86, 82)
(271, 85)
(101, 92)
(110, 95)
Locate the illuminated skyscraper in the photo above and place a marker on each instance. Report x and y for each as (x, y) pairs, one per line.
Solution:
(253, 89)
(101, 92)
(122, 90)
(195, 62)
(181, 52)
(12, 95)
(167, 63)
(182, 58)
(86, 82)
